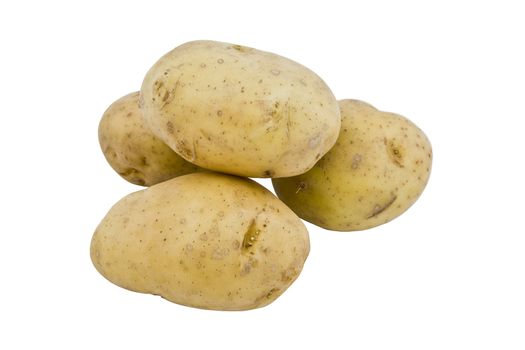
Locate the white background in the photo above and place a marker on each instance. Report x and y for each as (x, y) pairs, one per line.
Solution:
(448, 274)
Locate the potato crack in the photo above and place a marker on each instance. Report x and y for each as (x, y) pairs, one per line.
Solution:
(378, 209)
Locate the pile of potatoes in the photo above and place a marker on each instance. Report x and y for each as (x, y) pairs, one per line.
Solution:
(208, 116)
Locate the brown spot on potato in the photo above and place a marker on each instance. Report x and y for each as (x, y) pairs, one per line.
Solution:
(268, 173)
(166, 96)
(250, 236)
(378, 209)
(158, 85)
(395, 153)
(185, 151)
(272, 292)
(134, 176)
(241, 48)
(169, 127)
(301, 186)
(288, 275)
(220, 61)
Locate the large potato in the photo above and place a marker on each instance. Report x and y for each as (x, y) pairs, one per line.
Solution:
(238, 110)
(205, 240)
(132, 150)
(377, 169)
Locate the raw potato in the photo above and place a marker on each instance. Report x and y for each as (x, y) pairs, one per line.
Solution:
(377, 169)
(132, 150)
(239, 110)
(204, 240)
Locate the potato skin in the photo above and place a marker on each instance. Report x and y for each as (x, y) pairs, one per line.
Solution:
(377, 169)
(239, 110)
(132, 150)
(204, 240)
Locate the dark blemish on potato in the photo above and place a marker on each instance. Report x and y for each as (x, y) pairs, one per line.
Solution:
(129, 114)
(356, 161)
(144, 161)
(158, 85)
(250, 236)
(169, 127)
(378, 209)
(183, 265)
(272, 292)
(395, 153)
(169, 95)
(301, 186)
(241, 48)
(220, 61)
(268, 173)
(219, 113)
(185, 151)
(242, 90)
(203, 65)
(133, 175)
(166, 96)
(275, 72)
(287, 275)
(260, 81)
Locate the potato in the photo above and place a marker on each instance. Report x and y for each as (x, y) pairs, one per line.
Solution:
(377, 169)
(204, 240)
(239, 110)
(132, 150)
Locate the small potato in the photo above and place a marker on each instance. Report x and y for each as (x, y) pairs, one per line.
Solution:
(204, 240)
(377, 169)
(132, 150)
(238, 110)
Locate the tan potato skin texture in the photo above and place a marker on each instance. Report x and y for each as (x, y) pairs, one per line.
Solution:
(132, 150)
(188, 240)
(239, 110)
(377, 169)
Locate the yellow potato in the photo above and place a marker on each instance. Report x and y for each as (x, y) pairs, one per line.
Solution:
(239, 110)
(377, 169)
(204, 240)
(132, 150)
